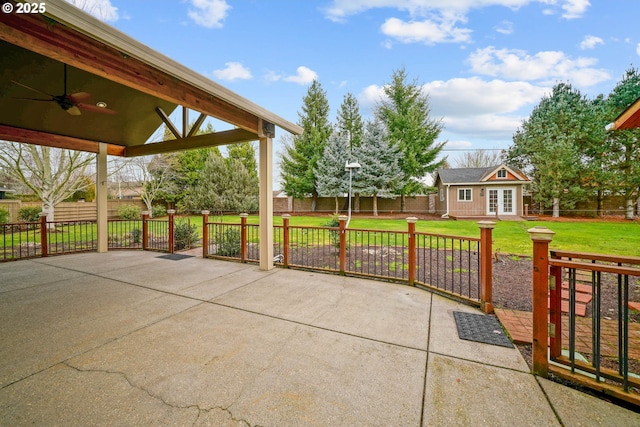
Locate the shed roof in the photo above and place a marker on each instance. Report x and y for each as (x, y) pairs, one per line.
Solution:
(476, 175)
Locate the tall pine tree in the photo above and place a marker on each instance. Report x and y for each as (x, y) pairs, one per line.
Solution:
(299, 160)
(405, 112)
(332, 179)
(380, 174)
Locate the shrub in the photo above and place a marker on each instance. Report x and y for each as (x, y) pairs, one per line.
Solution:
(184, 235)
(158, 210)
(136, 235)
(4, 216)
(334, 235)
(228, 242)
(29, 214)
(129, 212)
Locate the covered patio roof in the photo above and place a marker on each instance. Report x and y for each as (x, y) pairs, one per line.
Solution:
(38, 52)
(629, 119)
(68, 80)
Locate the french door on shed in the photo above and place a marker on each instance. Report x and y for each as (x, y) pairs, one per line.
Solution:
(502, 199)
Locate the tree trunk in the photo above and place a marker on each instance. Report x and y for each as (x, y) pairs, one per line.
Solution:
(375, 205)
(556, 207)
(314, 202)
(356, 203)
(629, 214)
(337, 203)
(48, 208)
(402, 203)
(600, 208)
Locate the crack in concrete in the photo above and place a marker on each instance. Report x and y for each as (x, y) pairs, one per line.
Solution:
(159, 398)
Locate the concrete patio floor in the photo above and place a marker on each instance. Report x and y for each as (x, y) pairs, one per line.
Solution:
(129, 338)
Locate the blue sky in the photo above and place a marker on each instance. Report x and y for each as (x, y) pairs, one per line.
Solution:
(484, 63)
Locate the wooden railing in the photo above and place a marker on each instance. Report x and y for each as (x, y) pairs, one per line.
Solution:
(574, 347)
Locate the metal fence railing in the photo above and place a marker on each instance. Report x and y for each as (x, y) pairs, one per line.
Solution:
(451, 265)
(595, 347)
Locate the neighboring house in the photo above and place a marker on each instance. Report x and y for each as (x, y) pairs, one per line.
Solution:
(478, 192)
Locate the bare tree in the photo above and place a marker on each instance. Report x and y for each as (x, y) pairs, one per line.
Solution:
(53, 174)
(146, 176)
(479, 159)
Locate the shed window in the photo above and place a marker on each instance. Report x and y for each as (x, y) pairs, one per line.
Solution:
(464, 194)
(442, 194)
(502, 173)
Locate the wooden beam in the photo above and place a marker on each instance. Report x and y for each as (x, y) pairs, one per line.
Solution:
(51, 39)
(630, 118)
(28, 136)
(200, 141)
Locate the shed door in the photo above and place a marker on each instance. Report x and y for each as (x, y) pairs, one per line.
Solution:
(502, 199)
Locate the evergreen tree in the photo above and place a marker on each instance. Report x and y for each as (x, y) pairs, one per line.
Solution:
(547, 147)
(332, 178)
(623, 146)
(246, 153)
(405, 113)
(299, 159)
(380, 174)
(349, 121)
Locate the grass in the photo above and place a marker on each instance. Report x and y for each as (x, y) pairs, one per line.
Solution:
(509, 237)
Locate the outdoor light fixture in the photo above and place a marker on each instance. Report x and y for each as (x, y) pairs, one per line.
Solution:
(101, 104)
(350, 167)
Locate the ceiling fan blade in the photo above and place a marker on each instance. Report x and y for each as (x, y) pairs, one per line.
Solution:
(96, 109)
(74, 111)
(33, 99)
(30, 88)
(79, 96)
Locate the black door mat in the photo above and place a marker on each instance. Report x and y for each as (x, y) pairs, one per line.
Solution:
(481, 328)
(175, 257)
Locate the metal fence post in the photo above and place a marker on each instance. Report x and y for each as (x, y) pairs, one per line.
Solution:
(411, 222)
(145, 230)
(243, 236)
(486, 265)
(541, 236)
(205, 234)
(343, 243)
(285, 238)
(44, 245)
(171, 213)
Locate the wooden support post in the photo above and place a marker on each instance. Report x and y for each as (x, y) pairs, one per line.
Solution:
(541, 236)
(266, 198)
(285, 238)
(486, 265)
(343, 244)
(145, 230)
(243, 237)
(205, 234)
(555, 312)
(171, 213)
(44, 245)
(411, 222)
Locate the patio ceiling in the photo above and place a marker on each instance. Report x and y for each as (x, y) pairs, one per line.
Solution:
(629, 119)
(142, 86)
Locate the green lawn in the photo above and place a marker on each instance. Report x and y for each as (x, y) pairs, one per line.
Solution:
(509, 237)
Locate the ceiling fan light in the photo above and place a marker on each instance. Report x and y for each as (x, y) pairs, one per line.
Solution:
(101, 104)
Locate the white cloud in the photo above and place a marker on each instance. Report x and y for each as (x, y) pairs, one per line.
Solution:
(505, 27)
(473, 106)
(101, 9)
(303, 76)
(208, 13)
(638, 49)
(575, 8)
(545, 66)
(233, 71)
(590, 42)
(426, 31)
(458, 145)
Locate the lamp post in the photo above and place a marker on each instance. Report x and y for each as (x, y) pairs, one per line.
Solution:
(350, 167)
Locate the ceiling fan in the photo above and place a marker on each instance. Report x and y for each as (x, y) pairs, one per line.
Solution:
(71, 103)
